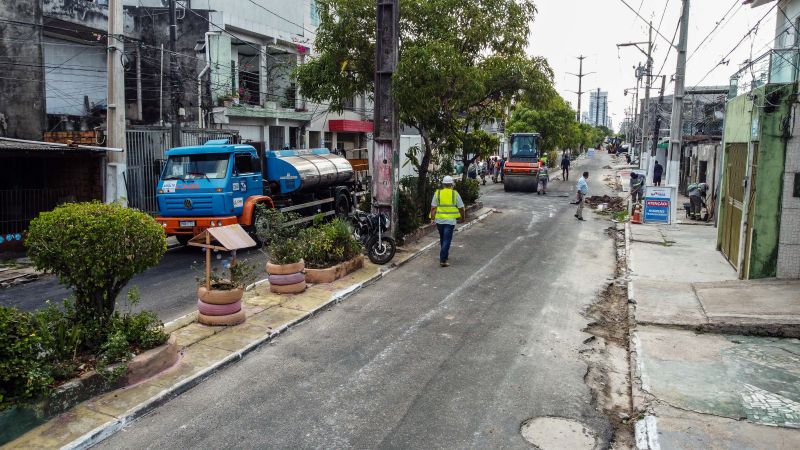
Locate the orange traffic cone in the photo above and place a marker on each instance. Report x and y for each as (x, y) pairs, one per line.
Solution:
(636, 217)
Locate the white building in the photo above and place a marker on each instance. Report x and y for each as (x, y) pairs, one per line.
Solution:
(597, 113)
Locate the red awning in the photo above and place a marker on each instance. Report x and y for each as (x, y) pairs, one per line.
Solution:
(351, 126)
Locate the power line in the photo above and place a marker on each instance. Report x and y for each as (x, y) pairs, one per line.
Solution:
(281, 17)
(735, 2)
(658, 32)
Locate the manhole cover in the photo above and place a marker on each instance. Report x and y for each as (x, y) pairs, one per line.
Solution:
(557, 433)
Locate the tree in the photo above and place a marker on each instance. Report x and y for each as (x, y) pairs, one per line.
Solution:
(554, 120)
(460, 62)
(95, 249)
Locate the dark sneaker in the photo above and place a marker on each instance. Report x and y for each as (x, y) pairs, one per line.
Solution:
(581, 218)
(444, 264)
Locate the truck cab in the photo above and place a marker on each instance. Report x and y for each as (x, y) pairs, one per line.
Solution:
(209, 185)
(522, 168)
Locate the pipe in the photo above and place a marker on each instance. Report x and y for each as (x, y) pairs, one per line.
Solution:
(200, 121)
(58, 144)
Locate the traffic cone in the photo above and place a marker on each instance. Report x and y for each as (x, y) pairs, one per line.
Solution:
(636, 217)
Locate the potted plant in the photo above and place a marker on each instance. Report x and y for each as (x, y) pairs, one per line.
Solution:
(330, 252)
(221, 302)
(286, 267)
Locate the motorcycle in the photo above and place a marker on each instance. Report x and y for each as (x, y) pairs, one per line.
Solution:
(368, 228)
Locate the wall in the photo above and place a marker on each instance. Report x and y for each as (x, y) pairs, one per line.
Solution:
(785, 32)
(21, 86)
(789, 240)
(737, 120)
(769, 179)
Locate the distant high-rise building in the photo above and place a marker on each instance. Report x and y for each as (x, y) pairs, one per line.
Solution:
(598, 108)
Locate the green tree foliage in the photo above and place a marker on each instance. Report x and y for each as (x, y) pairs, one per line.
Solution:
(460, 63)
(95, 249)
(23, 373)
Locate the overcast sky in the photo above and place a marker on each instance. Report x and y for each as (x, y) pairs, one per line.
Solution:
(564, 29)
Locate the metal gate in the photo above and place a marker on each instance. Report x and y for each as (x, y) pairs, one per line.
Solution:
(145, 154)
(733, 201)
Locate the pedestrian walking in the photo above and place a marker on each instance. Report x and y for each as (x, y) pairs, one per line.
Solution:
(565, 167)
(658, 171)
(544, 177)
(447, 208)
(583, 191)
(697, 195)
(502, 167)
(637, 187)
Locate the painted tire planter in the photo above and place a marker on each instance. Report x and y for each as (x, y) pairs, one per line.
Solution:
(289, 288)
(219, 297)
(227, 320)
(331, 274)
(285, 269)
(285, 280)
(210, 309)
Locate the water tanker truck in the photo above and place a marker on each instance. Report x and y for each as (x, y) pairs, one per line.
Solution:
(218, 184)
(521, 171)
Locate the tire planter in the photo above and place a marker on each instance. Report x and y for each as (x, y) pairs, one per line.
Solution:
(210, 309)
(219, 297)
(285, 280)
(289, 288)
(331, 274)
(228, 320)
(285, 269)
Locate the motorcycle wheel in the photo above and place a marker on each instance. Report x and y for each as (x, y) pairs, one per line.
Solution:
(381, 252)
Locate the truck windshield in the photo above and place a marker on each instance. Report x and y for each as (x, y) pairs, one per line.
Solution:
(524, 147)
(185, 167)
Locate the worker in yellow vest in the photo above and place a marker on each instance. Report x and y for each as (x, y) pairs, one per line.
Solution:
(446, 209)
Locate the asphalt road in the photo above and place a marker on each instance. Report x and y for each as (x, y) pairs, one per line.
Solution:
(169, 289)
(428, 357)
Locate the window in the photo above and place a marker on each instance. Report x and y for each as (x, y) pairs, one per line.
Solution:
(246, 163)
(191, 167)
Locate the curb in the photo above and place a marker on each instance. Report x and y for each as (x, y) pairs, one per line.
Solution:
(105, 431)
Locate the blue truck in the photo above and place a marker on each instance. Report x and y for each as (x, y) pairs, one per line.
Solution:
(219, 184)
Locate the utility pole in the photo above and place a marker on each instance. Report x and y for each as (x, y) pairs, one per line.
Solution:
(657, 125)
(174, 80)
(386, 150)
(115, 111)
(676, 125)
(597, 109)
(648, 70)
(580, 92)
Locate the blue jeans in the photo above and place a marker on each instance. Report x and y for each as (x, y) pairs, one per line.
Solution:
(445, 238)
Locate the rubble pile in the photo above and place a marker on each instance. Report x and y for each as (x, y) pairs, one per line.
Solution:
(613, 204)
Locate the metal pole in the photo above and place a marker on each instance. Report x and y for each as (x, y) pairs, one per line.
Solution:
(139, 81)
(174, 81)
(115, 114)
(676, 128)
(386, 151)
(580, 84)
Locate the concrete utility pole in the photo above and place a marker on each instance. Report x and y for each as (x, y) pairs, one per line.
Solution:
(386, 149)
(648, 74)
(676, 125)
(597, 109)
(580, 76)
(115, 102)
(657, 125)
(174, 80)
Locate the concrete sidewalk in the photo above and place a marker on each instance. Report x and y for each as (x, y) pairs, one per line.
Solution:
(715, 358)
(205, 350)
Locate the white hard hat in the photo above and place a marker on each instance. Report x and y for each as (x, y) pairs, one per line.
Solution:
(448, 180)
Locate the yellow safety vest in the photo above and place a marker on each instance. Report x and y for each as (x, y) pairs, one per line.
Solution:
(447, 208)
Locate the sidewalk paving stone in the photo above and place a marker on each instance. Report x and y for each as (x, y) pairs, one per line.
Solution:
(65, 428)
(667, 303)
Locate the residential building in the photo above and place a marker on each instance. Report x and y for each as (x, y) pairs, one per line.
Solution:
(597, 113)
(759, 220)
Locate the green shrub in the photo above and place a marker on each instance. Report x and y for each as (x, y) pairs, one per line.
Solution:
(469, 190)
(553, 159)
(24, 375)
(328, 244)
(285, 251)
(95, 249)
(408, 215)
(271, 225)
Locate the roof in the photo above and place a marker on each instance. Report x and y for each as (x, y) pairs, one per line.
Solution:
(25, 145)
(229, 237)
(208, 149)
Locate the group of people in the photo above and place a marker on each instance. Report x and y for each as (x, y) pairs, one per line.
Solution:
(493, 167)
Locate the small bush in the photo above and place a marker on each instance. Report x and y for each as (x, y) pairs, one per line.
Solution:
(271, 225)
(408, 215)
(469, 190)
(328, 244)
(24, 375)
(285, 251)
(95, 249)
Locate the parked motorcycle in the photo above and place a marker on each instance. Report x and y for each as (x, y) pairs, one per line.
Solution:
(369, 229)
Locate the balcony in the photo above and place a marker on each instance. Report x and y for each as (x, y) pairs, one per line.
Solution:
(777, 66)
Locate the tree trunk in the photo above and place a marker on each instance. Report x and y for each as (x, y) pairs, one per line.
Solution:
(422, 180)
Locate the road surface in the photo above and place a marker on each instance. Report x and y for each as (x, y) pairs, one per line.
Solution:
(427, 357)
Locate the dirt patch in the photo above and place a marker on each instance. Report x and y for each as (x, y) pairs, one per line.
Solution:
(613, 204)
(606, 351)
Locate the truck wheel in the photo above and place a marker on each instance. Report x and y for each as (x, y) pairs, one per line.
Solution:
(183, 239)
(342, 205)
